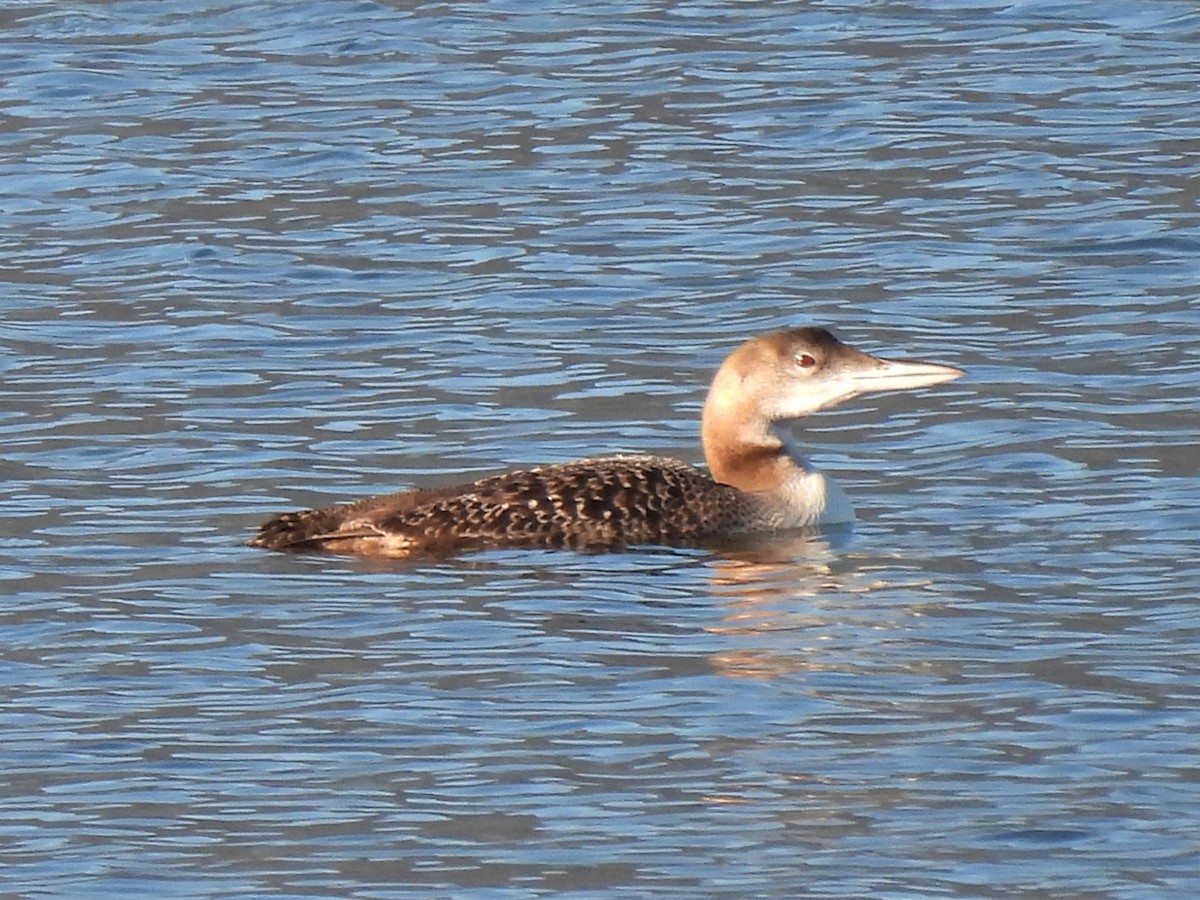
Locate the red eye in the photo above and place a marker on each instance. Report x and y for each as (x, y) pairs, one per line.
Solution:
(805, 360)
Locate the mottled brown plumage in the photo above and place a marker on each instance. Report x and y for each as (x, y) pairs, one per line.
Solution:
(608, 502)
(618, 501)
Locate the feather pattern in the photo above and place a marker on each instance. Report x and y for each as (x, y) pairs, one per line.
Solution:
(606, 502)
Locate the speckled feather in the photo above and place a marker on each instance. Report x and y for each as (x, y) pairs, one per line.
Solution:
(606, 502)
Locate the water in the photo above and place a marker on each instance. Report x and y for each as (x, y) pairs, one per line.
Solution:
(260, 256)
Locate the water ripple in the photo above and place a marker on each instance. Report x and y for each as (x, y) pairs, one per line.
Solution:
(258, 256)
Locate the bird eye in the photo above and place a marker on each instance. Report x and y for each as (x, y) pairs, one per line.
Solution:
(805, 360)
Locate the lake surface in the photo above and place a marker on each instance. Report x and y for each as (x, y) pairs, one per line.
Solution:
(260, 256)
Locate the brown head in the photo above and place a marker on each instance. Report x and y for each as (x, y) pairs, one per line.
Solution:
(787, 375)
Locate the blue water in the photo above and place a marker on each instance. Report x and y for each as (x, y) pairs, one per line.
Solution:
(263, 256)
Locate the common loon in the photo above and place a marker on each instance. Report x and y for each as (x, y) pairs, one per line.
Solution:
(759, 481)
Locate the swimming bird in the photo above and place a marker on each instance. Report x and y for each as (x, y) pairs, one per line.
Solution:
(757, 482)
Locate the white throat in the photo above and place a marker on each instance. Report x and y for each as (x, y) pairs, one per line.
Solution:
(808, 495)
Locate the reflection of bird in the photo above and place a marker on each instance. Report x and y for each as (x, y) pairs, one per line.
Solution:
(759, 482)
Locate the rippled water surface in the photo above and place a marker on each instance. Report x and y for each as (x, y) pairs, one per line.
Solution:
(266, 255)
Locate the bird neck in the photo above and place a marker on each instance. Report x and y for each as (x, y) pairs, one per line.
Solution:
(742, 447)
(745, 450)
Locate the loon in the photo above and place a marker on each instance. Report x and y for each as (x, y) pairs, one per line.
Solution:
(759, 480)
